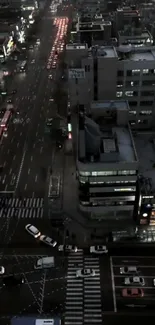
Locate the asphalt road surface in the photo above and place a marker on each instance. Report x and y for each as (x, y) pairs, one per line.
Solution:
(27, 151)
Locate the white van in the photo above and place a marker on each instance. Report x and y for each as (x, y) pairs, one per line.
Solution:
(44, 262)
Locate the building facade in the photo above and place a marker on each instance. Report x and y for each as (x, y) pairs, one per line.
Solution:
(107, 162)
(108, 73)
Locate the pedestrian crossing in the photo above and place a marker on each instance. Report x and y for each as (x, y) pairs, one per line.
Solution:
(25, 208)
(21, 203)
(83, 295)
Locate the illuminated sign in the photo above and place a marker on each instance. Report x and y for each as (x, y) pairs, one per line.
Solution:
(76, 73)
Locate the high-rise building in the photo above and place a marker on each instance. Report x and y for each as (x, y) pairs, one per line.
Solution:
(108, 73)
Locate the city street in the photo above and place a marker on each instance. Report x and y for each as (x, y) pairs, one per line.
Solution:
(23, 152)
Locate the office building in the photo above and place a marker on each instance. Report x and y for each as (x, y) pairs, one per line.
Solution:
(107, 163)
(108, 73)
(93, 31)
(134, 36)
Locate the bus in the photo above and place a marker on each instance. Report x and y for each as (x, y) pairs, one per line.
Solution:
(5, 120)
(22, 66)
(54, 187)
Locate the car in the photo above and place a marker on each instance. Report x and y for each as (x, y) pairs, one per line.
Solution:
(85, 273)
(32, 230)
(132, 293)
(33, 61)
(50, 76)
(2, 270)
(68, 248)
(49, 121)
(47, 240)
(99, 249)
(5, 134)
(12, 280)
(154, 282)
(134, 280)
(13, 91)
(51, 100)
(129, 270)
(58, 145)
(9, 100)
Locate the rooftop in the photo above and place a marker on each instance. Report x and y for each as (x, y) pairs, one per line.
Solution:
(76, 46)
(102, 139)
(104, 51)
(145, 146)
(135, 33)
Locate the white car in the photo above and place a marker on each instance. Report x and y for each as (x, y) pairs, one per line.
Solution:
(128, 270)
(85, 273)
(32, 230)
(154, 282)
(2, 270)
(47, 240)
(51, 100)
(68, 248)
(100, 249)
(134, 280)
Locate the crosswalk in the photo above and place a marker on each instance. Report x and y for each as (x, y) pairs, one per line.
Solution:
(24, 208)
(83, 295)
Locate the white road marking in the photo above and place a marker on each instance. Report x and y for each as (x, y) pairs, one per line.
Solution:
(25, 187)
(36, 178)
(14, 157)
(31, 158)
(29, 171)
(113, 285)
(20, 168)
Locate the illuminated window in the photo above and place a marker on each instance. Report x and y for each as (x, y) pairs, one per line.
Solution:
(132, 112)
(129, 93)
(145, 71)
(119, 94)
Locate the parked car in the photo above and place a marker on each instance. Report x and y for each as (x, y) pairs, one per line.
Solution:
(32, 230)
(132, 293)
(129, 270)
(48, 241)
(134, 280)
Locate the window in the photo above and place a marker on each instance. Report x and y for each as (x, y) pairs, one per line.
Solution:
(119, 84)
(146, 103)
(119, 94)
(104, 173)
(132, 112)
(149, 112)
(147, 93)
(126, 172)
(129, 93)
(129, 73)
(131, 104)
(87, 68)
(136, 72)
(120, 73)
(132, 83)
(84, 173)
(132, 122)
(145, 71)
(148, 83)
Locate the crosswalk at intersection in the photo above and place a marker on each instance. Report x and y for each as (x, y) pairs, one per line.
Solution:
(21, 208)
(83, 295)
